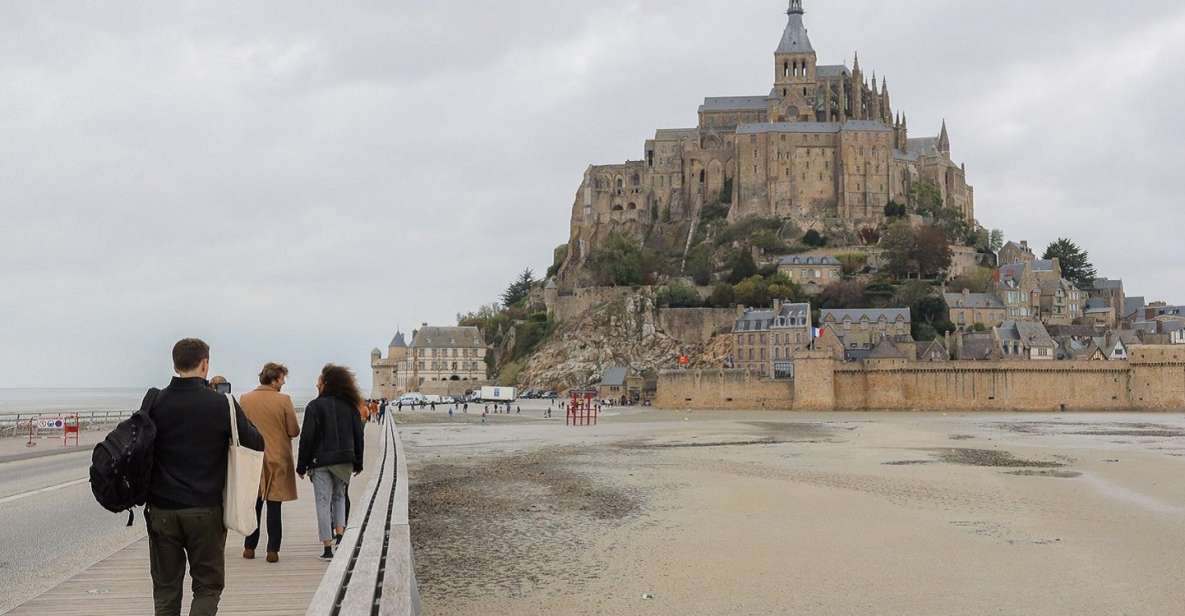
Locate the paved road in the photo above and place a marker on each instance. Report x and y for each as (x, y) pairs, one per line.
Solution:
(50, 525)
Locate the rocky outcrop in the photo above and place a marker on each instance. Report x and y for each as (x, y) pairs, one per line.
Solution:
(622, 332)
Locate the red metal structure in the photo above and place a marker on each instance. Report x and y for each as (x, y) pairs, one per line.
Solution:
(71, 429)
(582, 408)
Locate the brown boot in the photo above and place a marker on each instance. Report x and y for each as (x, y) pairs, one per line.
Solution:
(273, 557)
(248, 554)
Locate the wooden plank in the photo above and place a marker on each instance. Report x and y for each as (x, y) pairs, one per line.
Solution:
(401, 597)
(359, 597)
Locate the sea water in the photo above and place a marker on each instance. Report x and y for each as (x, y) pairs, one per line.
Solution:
(69, 399)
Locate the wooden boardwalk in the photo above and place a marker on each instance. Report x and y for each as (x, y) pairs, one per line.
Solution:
(120, 585)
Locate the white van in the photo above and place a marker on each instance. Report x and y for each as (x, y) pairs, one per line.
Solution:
(411, 399)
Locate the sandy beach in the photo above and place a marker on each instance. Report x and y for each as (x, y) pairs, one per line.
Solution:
(673, 513)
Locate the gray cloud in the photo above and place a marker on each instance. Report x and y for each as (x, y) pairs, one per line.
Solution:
(293, 180)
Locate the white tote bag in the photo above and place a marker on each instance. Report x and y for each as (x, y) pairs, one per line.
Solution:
(243, 469)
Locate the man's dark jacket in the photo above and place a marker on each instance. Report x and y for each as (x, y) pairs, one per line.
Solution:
(332, 434)
(192, 443)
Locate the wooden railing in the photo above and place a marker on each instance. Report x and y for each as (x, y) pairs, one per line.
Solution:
(374, 571)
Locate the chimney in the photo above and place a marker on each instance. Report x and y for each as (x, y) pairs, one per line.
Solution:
(740, 312)
(966, 292)
(777, 306)
(1024, 244)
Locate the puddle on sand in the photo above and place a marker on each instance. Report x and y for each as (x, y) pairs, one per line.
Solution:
(1056, 474)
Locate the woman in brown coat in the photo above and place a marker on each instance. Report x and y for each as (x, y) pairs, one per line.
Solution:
(273, 414)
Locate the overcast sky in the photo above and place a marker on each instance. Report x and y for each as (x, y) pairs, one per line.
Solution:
(293, 180)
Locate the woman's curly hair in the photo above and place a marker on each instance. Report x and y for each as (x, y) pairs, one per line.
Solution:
(338, 381)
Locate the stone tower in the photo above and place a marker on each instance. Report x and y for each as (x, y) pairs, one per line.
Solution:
(795, 85)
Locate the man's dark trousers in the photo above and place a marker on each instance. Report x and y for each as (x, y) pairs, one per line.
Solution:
(175, 535)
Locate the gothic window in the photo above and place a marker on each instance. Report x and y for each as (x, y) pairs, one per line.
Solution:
(786, 69)
(636, 181)
(632, 206)
(617, 207)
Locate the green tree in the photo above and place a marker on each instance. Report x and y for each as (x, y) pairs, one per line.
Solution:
(1075, 262)
(699, 264)
(895, 210)
(997, 240)
(843, 294)
(617, 263)
(913, 292)
(742, 267)
(900, 246)
(814, 238)
(678, 295)
(519, 289)
(723, 296)
(933, 254)
(925, 198)
(752, 291)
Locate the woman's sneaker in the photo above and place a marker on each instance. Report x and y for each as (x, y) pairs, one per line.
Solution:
(337, 540)
(327, 554)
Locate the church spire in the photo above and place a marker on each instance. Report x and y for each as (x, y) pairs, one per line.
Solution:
(856, 63)
(795, 39)
(944, 139)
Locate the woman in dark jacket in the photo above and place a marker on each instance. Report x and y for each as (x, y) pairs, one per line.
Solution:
(331, 443)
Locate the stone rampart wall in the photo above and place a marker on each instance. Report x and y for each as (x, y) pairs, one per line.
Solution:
(984, 386)
(722, 389)
(1153, 380)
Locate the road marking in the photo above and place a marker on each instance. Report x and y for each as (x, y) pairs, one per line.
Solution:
(16, 497)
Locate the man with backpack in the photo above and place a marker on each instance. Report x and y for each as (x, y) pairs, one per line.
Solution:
(184, 510)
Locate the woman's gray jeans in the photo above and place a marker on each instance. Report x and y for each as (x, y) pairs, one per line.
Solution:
(330, 494)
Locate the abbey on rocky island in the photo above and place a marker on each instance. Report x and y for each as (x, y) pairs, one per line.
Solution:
(823, 148)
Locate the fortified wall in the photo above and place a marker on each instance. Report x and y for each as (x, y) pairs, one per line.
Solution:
(722, 389)
(1153, 379)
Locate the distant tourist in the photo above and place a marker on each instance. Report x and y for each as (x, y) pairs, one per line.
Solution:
(184, 513)
(273, 414)
(331, 448)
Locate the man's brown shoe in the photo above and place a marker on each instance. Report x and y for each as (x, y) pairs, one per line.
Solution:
(249, 554)
(273, 557)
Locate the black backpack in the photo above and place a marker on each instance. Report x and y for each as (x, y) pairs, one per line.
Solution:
(121, 466)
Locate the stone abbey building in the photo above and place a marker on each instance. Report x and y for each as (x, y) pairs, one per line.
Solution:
(824, 147)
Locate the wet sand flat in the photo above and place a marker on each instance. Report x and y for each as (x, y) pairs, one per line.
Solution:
(656, 512)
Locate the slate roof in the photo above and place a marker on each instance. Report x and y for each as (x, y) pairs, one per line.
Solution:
(795, 38)
(398, 341)
(613, 377)
(1097, 304)
(1029, 333)
(1043, 265)
(1168, 327)
(798, 260)
(928, 348)
(972, 300)
(735, 103)
(922, 145)
(1132, 305)
(873, 314)
(447, 338)
(910, 156)
(763, 320)
(1012, 271)
(885, 349)
(978, 346)
(1104, 283)
(832, 70)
